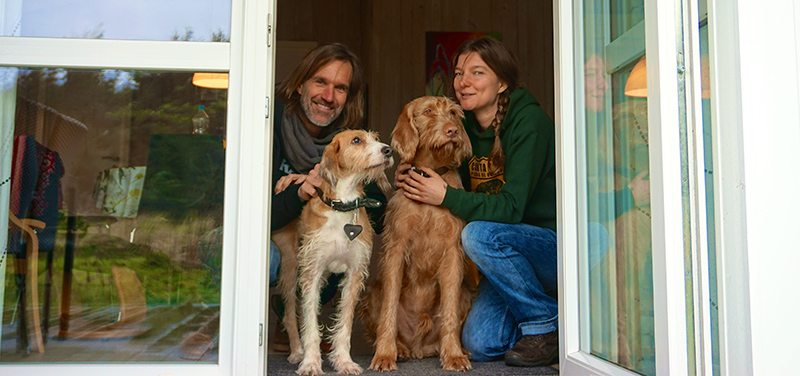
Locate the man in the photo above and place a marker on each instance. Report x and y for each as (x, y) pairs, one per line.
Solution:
(320, 97)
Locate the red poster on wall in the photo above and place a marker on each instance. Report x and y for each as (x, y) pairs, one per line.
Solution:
(439, 50)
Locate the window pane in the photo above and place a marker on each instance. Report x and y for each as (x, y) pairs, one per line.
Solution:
(126, 195)
(618, 261)
(193, 20)
(709, 184)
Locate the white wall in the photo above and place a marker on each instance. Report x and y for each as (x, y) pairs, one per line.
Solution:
(766, 127)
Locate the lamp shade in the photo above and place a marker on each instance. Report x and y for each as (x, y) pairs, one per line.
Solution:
(210, 80)
(636, 86)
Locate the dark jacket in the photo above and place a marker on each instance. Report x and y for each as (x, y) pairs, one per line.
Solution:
(286, 206)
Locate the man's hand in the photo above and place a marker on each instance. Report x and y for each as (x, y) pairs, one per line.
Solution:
(287, 180)
(308, 188)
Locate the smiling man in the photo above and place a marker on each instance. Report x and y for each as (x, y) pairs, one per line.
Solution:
(320, 97)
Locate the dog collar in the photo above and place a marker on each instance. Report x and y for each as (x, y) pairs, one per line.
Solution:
(342, 206)
(440, 171)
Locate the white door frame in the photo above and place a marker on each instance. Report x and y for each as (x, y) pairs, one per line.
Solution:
(249, 59)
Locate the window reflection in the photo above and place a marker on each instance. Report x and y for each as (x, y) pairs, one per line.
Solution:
(619, 257)
(185, 20)
(127, 205)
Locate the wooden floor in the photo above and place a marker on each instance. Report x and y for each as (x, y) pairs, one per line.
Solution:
(175, 334)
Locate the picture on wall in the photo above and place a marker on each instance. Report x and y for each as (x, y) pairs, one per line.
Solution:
(439, 49)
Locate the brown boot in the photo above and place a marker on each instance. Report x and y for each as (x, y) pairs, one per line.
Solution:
(280, 340)
(534, 350)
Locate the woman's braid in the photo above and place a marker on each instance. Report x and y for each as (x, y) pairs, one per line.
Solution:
(496, 157)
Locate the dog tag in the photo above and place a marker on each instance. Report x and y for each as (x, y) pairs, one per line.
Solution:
(352, 230)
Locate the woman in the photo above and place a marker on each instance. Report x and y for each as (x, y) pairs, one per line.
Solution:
(509, 203)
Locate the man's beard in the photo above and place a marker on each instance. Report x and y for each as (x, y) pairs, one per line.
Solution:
(306, 104)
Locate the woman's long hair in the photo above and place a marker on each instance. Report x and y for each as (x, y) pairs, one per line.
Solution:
(504, 64)
(353, 113)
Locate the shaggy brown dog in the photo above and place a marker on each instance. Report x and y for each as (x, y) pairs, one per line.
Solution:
(334, 235)
(421, 283)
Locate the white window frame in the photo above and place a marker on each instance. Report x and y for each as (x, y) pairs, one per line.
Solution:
(249, 58)
(666, 196)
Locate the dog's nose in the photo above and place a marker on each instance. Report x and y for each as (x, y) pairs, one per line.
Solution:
(451, 130)
(387, 151)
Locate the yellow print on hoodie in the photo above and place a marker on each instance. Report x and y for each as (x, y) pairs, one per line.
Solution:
(481, 180)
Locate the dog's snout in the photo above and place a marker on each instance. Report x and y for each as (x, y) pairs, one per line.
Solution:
(451, 130)
(387, 151)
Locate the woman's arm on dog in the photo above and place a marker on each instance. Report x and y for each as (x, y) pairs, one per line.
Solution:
(401, 174)
(430, 190)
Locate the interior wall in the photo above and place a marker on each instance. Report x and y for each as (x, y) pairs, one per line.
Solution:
(389, 37)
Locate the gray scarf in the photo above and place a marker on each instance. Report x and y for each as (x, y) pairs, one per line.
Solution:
(302, 150)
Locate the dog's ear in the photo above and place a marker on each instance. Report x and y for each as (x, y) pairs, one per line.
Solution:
(329, 165)
(405, 137)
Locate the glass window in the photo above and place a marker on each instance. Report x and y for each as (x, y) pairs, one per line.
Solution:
(115, 204)
(185, 20)
(708, 158)
(618, 257)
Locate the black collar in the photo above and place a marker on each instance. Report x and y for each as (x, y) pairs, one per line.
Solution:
(338, 205)
(440, 171)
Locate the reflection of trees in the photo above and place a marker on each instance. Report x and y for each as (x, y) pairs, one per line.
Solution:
(121, 116)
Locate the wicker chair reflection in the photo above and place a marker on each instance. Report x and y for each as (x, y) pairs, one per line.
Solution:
(132, 312)
(28, 267)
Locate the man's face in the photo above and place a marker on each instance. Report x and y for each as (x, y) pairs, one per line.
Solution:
(324, 94)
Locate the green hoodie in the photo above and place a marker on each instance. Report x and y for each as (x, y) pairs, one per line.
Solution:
(525, 192)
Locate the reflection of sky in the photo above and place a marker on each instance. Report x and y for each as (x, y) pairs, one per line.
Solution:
(125, 19)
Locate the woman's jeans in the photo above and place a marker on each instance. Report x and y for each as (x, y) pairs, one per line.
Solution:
(520, 278)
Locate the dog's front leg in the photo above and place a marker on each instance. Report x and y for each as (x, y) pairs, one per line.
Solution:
(450, 277)
(385, 358)
(343, 325)
(310, 283)
(288, 286)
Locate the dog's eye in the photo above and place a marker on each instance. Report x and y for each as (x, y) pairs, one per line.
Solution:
(428, 111)
(356, 141)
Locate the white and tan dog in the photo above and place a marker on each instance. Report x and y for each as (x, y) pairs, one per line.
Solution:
(332, 235)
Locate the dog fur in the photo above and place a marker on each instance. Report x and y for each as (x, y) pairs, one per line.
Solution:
(315, 245)
(424, 281)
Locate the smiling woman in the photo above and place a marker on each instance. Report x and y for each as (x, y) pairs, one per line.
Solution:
(185, 20)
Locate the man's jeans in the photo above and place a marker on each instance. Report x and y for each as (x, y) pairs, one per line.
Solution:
(519, 266)
(327, 293)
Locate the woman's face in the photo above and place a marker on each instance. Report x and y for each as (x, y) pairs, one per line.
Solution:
(595, 82)
(476, 86)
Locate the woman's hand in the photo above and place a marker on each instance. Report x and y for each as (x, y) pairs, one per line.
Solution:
(430, 190)
(308, 188)
(640, 188)
(401, 174)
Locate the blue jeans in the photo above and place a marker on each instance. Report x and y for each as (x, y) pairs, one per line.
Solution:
(327, 293)
(520, 270)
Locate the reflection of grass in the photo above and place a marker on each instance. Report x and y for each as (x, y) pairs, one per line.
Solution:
(164, 256)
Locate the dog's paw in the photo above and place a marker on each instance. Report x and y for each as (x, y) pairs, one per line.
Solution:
(383, 363)
(456, 363)
(310, 367)
(349, 368)
(295, 357)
